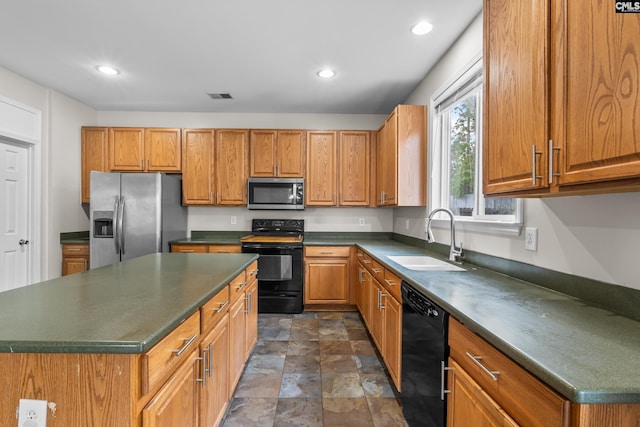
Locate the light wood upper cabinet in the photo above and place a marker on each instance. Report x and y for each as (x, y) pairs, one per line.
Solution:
(402, 158)
(354, 155)
(320, 182)
(566, 120)
(197, 166)
(215, 167)
(162, 150)
(277, 153)
(95, 155)
(232, 166)
(144, 150)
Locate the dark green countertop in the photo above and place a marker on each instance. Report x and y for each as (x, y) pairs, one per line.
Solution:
(587, 354)
(122, 308)
(74, 238)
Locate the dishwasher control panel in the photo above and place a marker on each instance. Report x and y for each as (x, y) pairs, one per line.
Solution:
(419, 302)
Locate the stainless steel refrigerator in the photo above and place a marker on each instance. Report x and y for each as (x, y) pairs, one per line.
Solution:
(134, 214)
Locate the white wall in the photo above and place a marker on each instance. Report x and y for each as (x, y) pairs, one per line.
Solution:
(59, 168)
(588, 236)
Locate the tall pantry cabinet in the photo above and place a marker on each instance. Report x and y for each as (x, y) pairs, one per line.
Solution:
(562, 89)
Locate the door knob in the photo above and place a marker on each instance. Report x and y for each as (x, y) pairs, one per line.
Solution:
(23, 242)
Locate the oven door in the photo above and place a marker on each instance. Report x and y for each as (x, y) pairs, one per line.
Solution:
(279, 266)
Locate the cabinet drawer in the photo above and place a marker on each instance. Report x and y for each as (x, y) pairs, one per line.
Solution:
(164, 357)
(225, 249)
(525, 398)
(377, 270)
(365, 259)
(252, 272)
(214, 309)
(189, 248)
(327, 251)
(237, 285)
(392, 283)
(75, 250)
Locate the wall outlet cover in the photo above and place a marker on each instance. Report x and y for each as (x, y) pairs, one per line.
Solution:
(531, 239)
(32, 413)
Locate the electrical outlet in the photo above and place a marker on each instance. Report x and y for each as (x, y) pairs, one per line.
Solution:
(361, 222)
(32, 413)
(531, 239)
(233, 220)
(406, 224)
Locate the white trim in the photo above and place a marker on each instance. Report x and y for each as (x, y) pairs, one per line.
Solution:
(454, 83)
(22, 124)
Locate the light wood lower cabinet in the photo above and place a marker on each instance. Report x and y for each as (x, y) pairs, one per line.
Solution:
(177, 401)
(214, 394)
(75, 258)
(327, 270)
(212, 249)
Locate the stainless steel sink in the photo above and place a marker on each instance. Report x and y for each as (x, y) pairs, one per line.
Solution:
(423, 263)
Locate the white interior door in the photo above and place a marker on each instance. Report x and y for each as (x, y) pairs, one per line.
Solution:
(14, 216)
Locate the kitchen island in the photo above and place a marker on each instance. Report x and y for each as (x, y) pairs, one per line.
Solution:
(100, 346)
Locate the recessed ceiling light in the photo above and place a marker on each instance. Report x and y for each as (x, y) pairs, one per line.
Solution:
(326, 73)
(421, 28)
(108, 70)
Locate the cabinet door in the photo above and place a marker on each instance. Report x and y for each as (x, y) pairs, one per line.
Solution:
(251, 308)
(176, 404)
(320, 185)
(197, 166)
(95, 156)
(515, 126)
(601, 79)
(126, 149)
(469, 405)
(162, 150)
(71, 265)
(232, 166)
(388, 161)
(392, 351)
(237, 343)
(263, 153)
(291, 153)
(377, 314)
(326, 281)
(214, 395)
(189, 248)
(354, 154)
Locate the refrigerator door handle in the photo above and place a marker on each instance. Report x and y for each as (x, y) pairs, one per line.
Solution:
(116, 233)
(121, 225)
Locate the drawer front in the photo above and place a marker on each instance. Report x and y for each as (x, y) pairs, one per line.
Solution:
(365, 259)
(392, 283)
(164, 357)
(252, 273)
(214, 309)
(75, 250)
(225, 249)
(525, 398)
(237, 286)
(327, 251)
(200, 249)
(377, 270)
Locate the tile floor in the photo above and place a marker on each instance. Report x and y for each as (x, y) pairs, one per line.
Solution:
(314, 370)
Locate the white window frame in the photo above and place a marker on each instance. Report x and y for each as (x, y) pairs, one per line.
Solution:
(439, 163)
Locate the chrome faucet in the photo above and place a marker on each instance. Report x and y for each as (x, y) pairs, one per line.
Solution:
(455, 253)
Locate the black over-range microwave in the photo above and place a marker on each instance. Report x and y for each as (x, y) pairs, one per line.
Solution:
(276, 193)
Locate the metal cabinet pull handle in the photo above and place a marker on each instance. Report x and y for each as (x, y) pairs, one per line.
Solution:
(375, 270)
(147, 164)
(390, 282)
(551, 150)
(443, 368)
(327, 252)
(219, 309)
(241, 285)
(187, 343)
(534, 153)
(203, 359)
(477, 359)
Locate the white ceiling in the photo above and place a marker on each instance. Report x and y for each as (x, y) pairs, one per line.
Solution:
(265, 53)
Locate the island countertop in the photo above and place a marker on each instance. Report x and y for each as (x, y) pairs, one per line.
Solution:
(121, 308)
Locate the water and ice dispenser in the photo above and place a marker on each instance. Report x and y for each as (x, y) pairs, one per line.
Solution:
(103, 224)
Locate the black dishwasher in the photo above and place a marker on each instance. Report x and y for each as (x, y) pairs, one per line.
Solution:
(424, 354)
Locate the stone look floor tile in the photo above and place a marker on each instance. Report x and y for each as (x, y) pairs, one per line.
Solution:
(315, 369)
(298, 413)
(346, 412)
(245, 412)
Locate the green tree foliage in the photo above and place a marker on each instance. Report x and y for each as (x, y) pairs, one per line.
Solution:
(463, 147)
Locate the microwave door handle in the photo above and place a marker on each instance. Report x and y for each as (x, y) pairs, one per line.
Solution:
(114, 225)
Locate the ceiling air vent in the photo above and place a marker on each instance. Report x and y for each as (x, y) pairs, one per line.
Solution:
(220, 96)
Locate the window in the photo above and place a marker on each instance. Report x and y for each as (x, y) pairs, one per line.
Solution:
(456, 178)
